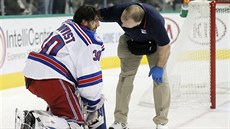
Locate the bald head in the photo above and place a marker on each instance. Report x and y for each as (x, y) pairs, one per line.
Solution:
(132, 16)
(135, 12)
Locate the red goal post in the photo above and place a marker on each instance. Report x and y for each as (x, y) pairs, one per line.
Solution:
(213, 55)
(213, 49)
(198, 65)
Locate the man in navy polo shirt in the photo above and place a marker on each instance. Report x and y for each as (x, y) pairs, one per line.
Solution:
(145, 34)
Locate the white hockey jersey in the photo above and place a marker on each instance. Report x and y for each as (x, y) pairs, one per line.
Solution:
(71, 53)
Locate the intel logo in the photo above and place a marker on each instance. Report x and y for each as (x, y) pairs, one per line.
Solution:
(2, 48)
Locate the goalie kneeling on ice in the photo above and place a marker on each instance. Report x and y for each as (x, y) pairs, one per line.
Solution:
(39, 119)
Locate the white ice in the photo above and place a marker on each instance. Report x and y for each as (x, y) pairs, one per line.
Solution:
(139, 117)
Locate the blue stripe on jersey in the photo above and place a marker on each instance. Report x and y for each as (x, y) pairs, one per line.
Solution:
(90, 75)
(102, 48)
(90, 80)
(81, 34)
(96, 40)
(54, 64)
(89, 83)
(90, 102)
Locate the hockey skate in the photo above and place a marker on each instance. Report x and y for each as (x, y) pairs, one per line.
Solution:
(161, 126)
(117, 125)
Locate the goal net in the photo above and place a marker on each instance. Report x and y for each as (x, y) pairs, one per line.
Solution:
(199, 65)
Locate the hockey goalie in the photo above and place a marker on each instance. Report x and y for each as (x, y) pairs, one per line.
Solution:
(66, 73)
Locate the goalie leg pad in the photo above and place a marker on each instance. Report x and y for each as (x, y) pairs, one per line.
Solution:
(39, 119)
(24, 119)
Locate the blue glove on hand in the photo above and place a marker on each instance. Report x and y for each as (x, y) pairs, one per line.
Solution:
(157, 73)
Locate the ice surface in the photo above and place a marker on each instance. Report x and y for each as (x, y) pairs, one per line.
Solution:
(139, 117)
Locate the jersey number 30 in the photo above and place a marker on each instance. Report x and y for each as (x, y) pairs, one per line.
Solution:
(97, 55)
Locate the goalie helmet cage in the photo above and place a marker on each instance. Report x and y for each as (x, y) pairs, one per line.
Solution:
(199, 49)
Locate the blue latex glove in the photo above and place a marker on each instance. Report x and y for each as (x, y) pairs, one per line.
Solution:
(157, 73)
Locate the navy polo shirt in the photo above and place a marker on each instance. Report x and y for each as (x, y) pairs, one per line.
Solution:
(151, 28)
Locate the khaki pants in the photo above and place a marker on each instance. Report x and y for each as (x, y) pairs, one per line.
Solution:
(129, 66)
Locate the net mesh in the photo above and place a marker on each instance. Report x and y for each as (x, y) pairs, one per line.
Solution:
(189, 63)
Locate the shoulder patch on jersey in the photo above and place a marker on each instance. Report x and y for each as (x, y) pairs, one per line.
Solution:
(97, 38)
